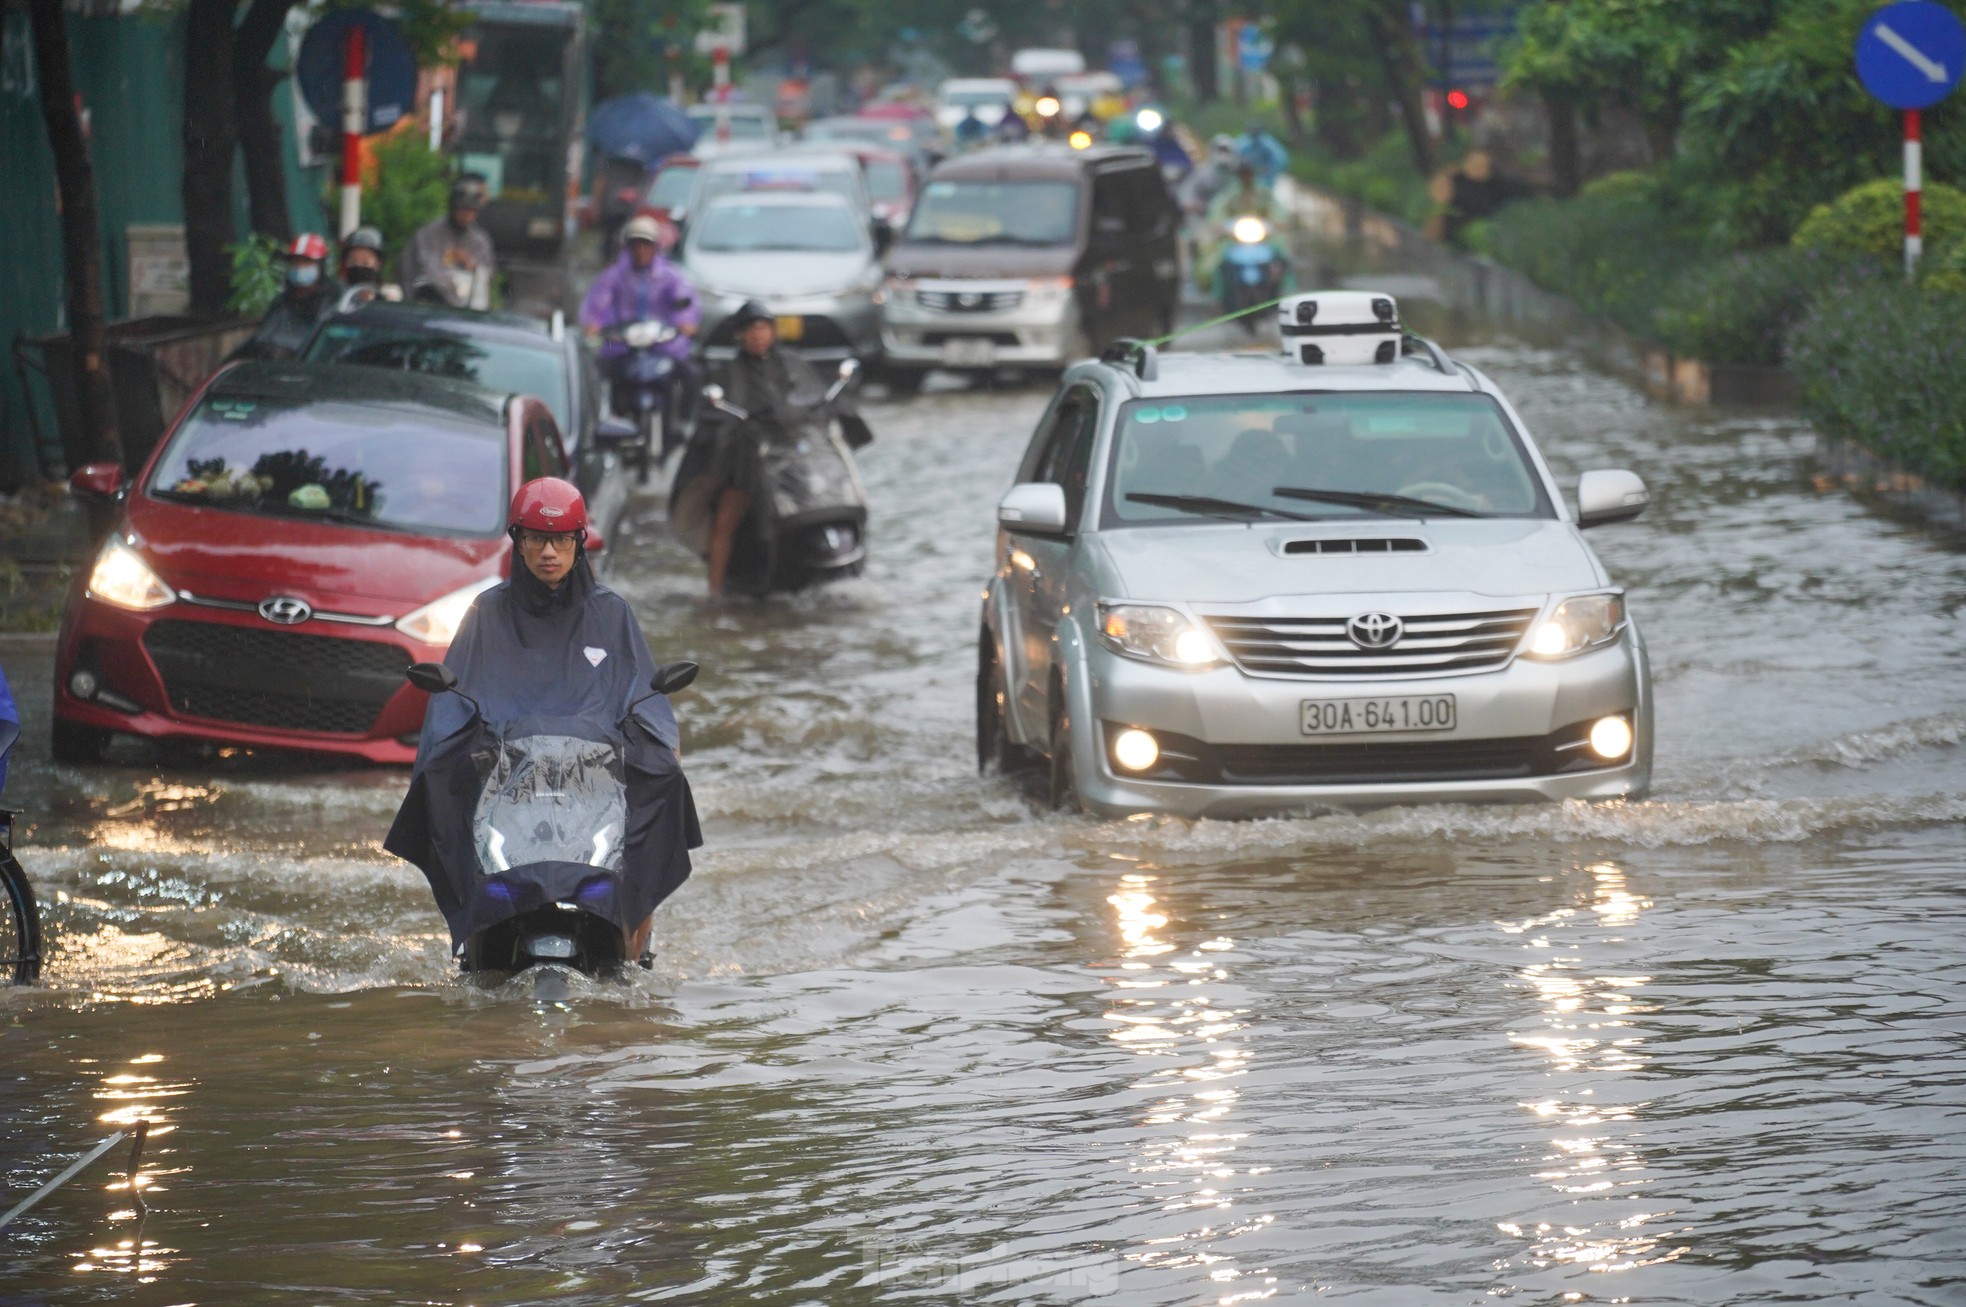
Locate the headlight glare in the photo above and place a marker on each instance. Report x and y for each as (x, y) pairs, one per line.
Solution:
(1611, 738)
(1579, 623)
(436, 622)
(122, 578)
(1156, 634)
(1250, 230)
(1135, 749)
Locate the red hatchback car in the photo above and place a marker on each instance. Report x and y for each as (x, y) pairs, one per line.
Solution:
(301, 536)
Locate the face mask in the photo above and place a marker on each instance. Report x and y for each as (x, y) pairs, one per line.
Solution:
(303, 274)
(360, 274)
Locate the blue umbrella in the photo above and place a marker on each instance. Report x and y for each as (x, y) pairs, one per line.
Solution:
(641, 126)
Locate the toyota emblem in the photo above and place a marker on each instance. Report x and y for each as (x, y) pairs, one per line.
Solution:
(969, 299)
(285, 610)
(1375, 630)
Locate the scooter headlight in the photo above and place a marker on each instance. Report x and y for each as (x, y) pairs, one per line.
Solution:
(1157, 635)
(1579, 623)
(1250, 230)
(436, 622)
(641, 335)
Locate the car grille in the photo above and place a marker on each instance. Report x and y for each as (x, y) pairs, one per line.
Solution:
(1431, 644)
(969, 301)
(1193, 761)
(275, 678)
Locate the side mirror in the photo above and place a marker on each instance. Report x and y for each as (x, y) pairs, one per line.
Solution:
(595, 541)
(1604, 497)
(614, 430)
(432, 678)
(713, 393)
(849, 368)
(1034, 506)
(674, 676)
(97, 481)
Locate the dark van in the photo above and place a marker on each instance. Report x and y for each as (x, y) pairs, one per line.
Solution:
(1031, 256)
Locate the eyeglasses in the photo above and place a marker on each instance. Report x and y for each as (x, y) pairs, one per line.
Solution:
(539, 540)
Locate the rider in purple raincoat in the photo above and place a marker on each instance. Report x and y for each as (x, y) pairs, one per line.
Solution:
(641, 285)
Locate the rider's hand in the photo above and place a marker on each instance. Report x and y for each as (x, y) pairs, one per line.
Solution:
(687, 328)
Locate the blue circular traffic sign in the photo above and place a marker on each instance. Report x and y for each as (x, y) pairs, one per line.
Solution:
(1911, 54)
(391, 68)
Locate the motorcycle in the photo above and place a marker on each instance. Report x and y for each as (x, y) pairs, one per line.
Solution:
(1253, 270)
(558, 807)
(645, 384)
(808, 519)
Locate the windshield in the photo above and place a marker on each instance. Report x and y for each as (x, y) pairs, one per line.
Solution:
(537, 370)
(551, 798)
(996, 213)
(671, 188)
(734, 227)
(743, 126)
(1455, 451)
(964, 99)
(349, 463)
(887, 180)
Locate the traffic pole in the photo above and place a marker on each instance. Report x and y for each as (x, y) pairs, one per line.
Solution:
(1914, 186)
(720, 88)
(354, 117)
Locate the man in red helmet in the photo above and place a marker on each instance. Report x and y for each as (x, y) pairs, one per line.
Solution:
(303, 301)
(552, 641)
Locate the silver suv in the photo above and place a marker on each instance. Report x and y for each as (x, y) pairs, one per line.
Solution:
(1240, 585)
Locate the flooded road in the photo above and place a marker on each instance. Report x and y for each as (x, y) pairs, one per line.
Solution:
(909, 1039)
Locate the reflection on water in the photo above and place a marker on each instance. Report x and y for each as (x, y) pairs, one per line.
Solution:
(909, 1040)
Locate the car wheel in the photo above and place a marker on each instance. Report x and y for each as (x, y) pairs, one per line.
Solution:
(78, 745)
(646, 440)
(904, 381)
(1063, 790)
(996, 753)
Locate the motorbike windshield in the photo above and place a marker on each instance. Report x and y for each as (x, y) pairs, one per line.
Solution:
(551, 798)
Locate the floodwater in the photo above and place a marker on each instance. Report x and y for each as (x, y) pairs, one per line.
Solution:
(909, 1039)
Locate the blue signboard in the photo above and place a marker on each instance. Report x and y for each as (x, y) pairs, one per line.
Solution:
(1253, 48)
(1911, 54)
(391, 68)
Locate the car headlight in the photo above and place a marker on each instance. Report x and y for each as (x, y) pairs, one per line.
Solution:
(1048, 290)
(122, 578)
(1156, 634)
(1580, 623)
(899, 285)
(436, 622)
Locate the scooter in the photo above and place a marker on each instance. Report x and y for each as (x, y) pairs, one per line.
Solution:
(553, 818)
(808, 519)
(1252, 271)
(644, 384)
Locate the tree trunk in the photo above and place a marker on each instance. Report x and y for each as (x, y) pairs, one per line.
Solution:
(209, 140)
(81, 240)
(1293, 117)
(1201, 51)
(1399, 60)
(260, 142)
(1566, 160)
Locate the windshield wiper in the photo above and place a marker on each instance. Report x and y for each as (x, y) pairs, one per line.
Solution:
(1209, 506)
(1385, 502)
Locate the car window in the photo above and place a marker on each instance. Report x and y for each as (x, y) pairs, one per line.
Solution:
(351, 464)
(543, 456)
(733, 228)
(1457, 450)
(887, 180)
(1065, 458)
(525, 369)
(996, 213)
(671, 188)
(823, 179)
(1145, 204)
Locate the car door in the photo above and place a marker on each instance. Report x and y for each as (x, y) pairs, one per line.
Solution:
(1040, 565)
(1111, 261)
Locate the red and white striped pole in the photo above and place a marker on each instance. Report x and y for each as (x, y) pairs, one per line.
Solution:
(1914, 186)
(720, 88)
(354, 117)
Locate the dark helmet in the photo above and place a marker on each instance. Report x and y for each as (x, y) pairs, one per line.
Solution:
(363, 238)
(748, 312)
(548, 504)
(468, 192)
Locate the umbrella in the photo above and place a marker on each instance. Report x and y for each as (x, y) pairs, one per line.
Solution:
(641, 126)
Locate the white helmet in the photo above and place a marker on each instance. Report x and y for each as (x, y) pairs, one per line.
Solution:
(642, 227)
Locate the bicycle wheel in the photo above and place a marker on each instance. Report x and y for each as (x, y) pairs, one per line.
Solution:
(20, 925)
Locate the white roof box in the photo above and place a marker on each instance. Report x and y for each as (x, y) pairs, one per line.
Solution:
(1340, 328)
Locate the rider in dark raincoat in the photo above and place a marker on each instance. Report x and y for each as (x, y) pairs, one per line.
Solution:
(550, 643)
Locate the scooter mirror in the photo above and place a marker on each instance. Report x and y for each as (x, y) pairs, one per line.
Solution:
(849, 367)
(714, 393)
(432, 678)
(674, 677)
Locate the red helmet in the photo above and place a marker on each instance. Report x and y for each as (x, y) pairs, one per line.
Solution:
(548, 504)
(308, 245)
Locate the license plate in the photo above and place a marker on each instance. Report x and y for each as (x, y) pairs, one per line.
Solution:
(791, 327)
(1420, 712)
(969, 352)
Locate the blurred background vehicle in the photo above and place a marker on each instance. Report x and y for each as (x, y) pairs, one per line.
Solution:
(987, 98)
(737, 127)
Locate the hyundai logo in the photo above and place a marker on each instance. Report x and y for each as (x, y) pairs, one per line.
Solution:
(1375, 630)
(285, 610)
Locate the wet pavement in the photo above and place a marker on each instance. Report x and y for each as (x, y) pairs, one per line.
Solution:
(907, 1038)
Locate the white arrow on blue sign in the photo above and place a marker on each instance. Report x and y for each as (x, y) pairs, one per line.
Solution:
(1911, 54)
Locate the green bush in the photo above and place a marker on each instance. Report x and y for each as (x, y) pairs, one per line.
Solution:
(256, 275)
(1884, 363)
(1740, 308)
(1384, 179)
(1869, 221)
(411, 185)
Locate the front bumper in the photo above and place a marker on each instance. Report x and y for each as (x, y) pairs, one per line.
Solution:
(833, 327)
(1040, 330)
(198, 679)
(1516, 738)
